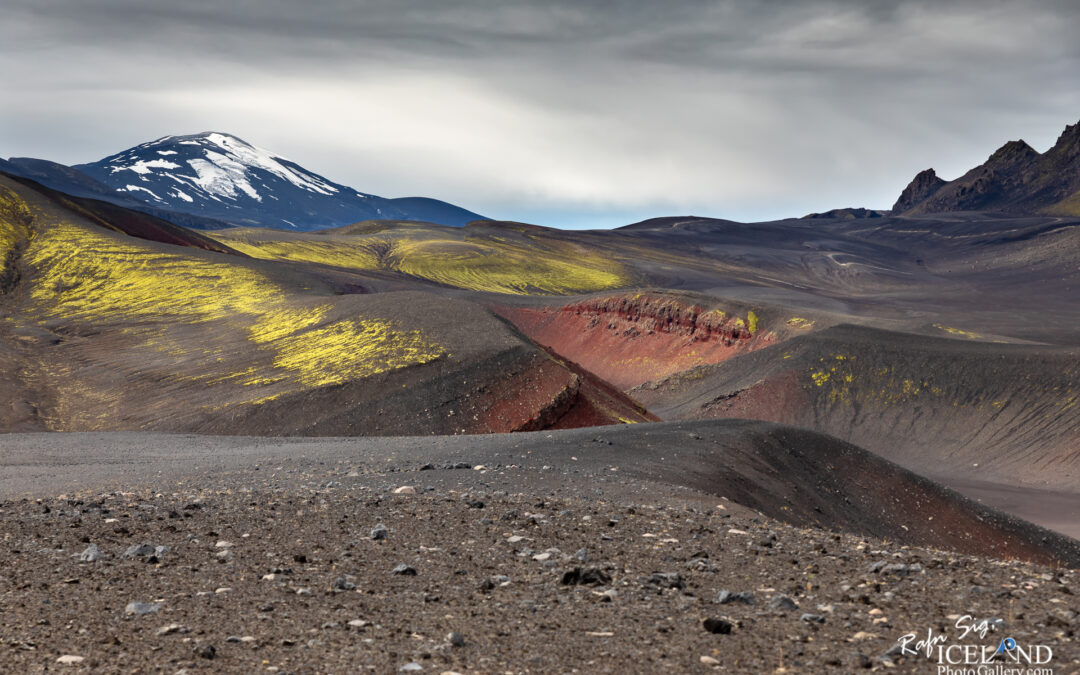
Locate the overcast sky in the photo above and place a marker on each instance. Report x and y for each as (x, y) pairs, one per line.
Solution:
(568, 113)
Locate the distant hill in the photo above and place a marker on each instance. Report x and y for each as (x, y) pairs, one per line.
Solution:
(426, 209)
(1015, 179)
(213, 180)
(851, 213)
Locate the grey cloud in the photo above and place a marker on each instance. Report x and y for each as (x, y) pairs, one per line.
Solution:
(530, 110)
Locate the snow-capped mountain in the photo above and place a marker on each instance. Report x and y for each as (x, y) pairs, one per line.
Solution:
(220, 176)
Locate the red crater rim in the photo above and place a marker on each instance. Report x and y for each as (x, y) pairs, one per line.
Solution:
(630, 340)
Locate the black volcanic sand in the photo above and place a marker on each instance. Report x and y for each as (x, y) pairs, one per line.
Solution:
(270, 558)
(1054, 510)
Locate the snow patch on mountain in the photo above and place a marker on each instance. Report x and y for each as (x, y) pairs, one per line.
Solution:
(145, 166)
(133, 188)
(222, 176)
(257, 158)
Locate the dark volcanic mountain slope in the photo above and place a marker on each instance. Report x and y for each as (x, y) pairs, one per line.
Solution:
(1015, 178)
(426, 209)
(219, 176)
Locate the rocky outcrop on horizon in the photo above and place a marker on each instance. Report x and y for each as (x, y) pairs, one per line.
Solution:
(1014, 179)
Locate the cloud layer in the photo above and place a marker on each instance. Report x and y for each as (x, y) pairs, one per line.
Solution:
(584, 113)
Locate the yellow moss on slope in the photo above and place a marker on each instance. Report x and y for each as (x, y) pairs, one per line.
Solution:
(751, 322)
(958, 331)
(843, 382)
(1070, 206)
(323, 253)
(91, 277)
(346, 350)
(506, 268)
(88, 275)
(481, 263)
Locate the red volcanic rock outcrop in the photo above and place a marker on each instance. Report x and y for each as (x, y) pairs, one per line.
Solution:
(555, 395)
(628, 340)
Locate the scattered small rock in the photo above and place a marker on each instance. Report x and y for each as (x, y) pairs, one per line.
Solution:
(205, 651)
(812, 618)
(141, 608)
(861, 661)
(379, 532)
(895, 569)
(666, 580)
(404, 570)
(405, 490)
(585, 576)
(139, 551)
(455, 639)
(782, 603)
(717, 626)
(342, 584)
(70, 659)
(91, 554)
(172, 628)
(727, 597)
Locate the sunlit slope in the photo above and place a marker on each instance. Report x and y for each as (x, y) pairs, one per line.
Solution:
(1004, 413)
(102, 330)
(88, 276)
(148, 300)
(499, 258)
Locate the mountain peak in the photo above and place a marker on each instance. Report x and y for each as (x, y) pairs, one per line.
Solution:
(1068, 143)
(1011, 154)
(175, 170)
(924, 184)
(221, 176)
(1071, 133)
(203, 135)
(1015, 178)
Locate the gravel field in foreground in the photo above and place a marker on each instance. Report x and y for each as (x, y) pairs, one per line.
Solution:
(276, 568)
